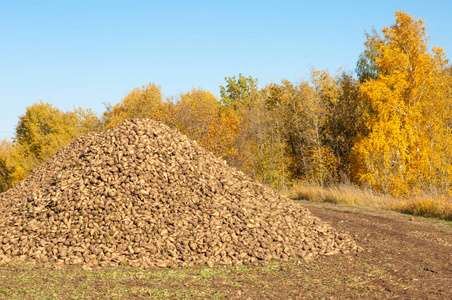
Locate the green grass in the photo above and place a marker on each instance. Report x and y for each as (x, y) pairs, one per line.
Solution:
(26, 281)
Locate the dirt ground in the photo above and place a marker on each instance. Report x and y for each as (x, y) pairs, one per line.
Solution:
(414, 254)
(404, 258)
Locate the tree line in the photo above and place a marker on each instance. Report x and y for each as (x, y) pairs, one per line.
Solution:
(388, 126)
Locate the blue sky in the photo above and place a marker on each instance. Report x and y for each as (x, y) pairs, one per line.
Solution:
(86, 53)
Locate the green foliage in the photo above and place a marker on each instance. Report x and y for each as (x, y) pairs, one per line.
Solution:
(367, 67)
(239, 99)
(238, 91)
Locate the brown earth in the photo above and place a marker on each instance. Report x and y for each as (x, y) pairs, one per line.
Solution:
(404, 258)
(412, 255)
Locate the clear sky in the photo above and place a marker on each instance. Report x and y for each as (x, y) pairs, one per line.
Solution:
(86, 53)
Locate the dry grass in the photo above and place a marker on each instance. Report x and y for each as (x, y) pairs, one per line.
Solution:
(349, 194)
(426, 206)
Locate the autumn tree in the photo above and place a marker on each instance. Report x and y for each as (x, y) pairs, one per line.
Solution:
(87, 120)
(259, 143)
(367, 67)
(280, 119)
(198, 114)
(198, 109)
(41, 132)
(238, 98)
(298, 119)
(287, 100)
(238, 91)
(346, 117)
(266, 143)
(145, 102)
(318, 111)
(407, 123)
(438, 137)
(6, 170)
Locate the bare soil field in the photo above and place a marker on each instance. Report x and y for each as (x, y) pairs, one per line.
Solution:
(404, 258)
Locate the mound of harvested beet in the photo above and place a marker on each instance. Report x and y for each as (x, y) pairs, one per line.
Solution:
(142, 194)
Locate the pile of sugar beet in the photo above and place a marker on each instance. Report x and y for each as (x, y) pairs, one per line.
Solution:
(142, 194)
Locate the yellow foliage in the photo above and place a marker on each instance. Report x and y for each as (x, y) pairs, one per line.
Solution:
(397, 156)
(222, 134)
(284, 113)
(239, 99)
(139, 103)
(41, 132)
(311, 123)
(197, 111)
(6, 169)
(323, 166)
(200, 116)
(266, 143)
